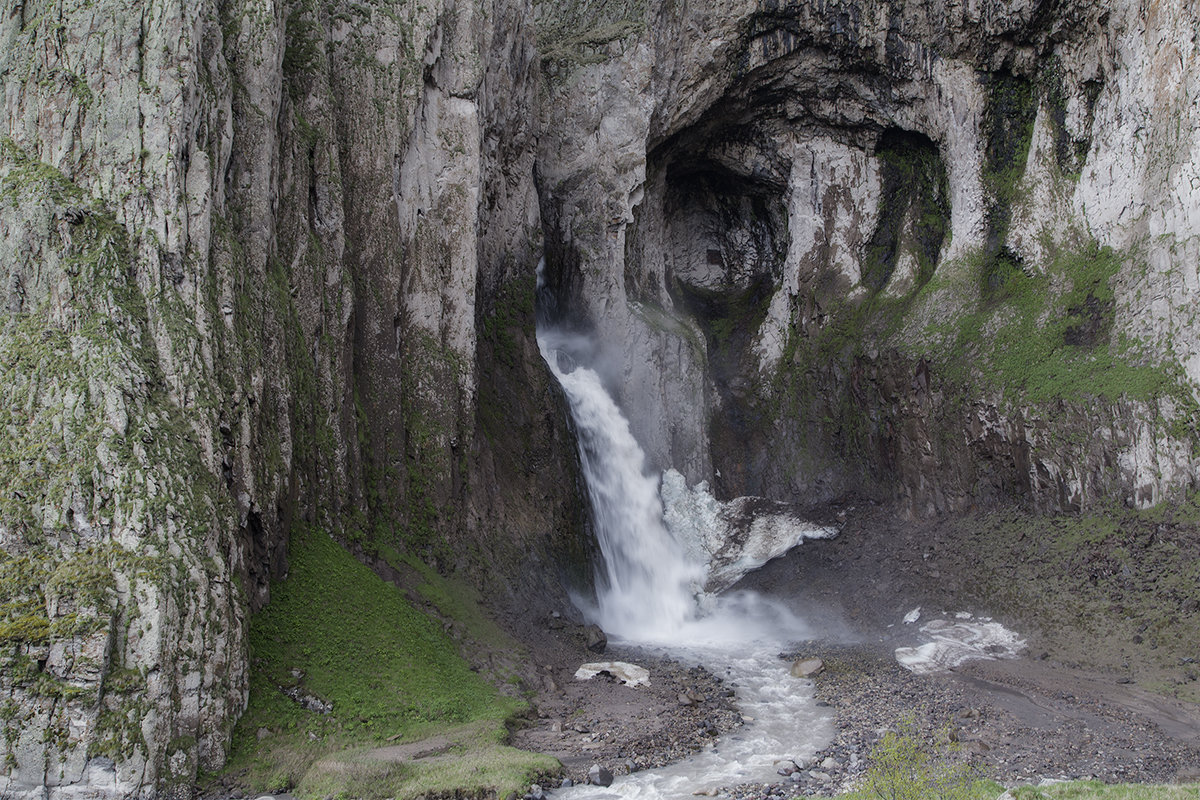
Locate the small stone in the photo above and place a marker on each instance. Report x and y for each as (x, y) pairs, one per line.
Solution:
(831, 763)
(599, 776)
(684, 700)
(567, 783)
(807, 667)
(536, 792)
(262, 733)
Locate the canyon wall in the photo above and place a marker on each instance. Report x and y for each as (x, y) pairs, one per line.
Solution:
(264, 265)
(272, 264)
(939, 253)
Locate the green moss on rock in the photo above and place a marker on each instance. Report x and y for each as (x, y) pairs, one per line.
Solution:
(1047, 338)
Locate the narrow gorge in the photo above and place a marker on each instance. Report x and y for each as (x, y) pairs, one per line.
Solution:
(924, 271)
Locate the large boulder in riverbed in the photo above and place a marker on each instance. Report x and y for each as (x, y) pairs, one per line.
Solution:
(600, 776)
(595, 638)
(807, 667)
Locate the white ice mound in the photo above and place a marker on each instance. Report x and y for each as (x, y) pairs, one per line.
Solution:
(953, 643)
(733, 538)
(626, 673)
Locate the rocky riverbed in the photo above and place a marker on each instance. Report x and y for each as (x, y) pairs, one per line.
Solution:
(1066, 708)
(623, 728)
(1014, 721)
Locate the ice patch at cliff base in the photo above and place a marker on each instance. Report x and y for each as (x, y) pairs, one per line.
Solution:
(734, 537)
(954, 643)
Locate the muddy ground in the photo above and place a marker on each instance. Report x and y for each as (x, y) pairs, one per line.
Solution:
(1109, 606)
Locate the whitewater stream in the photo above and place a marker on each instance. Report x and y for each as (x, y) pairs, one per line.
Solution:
(649, 593)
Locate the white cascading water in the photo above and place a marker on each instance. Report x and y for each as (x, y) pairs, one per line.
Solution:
(648, 592)
(646, 586)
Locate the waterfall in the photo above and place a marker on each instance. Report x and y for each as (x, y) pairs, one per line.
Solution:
(647, 584)
(649, 591)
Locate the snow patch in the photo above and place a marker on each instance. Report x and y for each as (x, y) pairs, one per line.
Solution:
(626, 673)
(732, 538)
(954, 643)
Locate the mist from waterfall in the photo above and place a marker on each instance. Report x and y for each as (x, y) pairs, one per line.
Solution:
(648, 584)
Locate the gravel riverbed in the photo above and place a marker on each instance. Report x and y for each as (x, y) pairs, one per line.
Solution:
(1108, 695)
(1015, 721)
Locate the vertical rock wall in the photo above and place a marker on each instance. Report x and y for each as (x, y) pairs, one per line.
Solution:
(257, 260)
(937, 253)
(271, 264)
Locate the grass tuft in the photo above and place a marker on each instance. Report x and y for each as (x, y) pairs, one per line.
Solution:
(1095, 790)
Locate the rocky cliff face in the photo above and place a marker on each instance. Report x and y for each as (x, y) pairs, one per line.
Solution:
(269, 264)
(936, 252)
(264, 265)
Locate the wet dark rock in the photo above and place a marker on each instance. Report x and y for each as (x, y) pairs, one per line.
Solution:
(600, 776)
(595, 638)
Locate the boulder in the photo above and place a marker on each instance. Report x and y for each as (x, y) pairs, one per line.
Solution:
(807, 667)
(600, 776)
(595, 638)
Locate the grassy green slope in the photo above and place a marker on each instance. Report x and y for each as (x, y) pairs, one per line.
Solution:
(335, 633)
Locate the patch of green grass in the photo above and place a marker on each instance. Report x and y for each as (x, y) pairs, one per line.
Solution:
(904, 765)
(335, 632)
(460, 601)
(478, 762)
(1095, 790)
(1047, 337)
